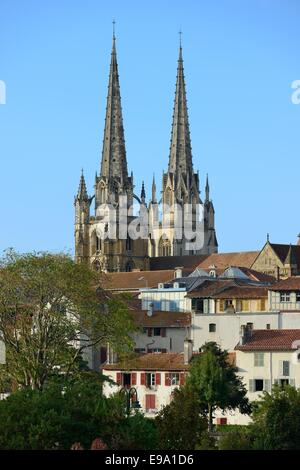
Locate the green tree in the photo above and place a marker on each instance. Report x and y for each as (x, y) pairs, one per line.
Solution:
(51, 311)
(64, 412)
(180, 424)
(276, 420)
(216, 382)
(236, 438)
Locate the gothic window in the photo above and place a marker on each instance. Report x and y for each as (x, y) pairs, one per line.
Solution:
(164, 247)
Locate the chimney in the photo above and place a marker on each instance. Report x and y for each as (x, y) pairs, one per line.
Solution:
(150, 310)
(188, 351)
(242, 335)
(178, 272)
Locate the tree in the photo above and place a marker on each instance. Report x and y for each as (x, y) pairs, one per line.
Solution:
(180, 424)
(236, 438)
(276, 420)
(216, 382)
(65, 411)
(51, 311)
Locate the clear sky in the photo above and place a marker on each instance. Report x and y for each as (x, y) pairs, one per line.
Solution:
(240, 58)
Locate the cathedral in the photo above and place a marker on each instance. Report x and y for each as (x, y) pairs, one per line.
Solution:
(94, 243)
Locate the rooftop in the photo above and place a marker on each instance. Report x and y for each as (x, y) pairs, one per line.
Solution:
(151, 361)
(271, 340)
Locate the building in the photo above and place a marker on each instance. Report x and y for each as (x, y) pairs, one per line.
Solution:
(160, 332)
(154, 376)
(265, 358)
(101, 243)
(278, 260)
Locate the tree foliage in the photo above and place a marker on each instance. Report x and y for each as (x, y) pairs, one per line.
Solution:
(51, 311)
(214, 379)
(276, 420)
(180, 424)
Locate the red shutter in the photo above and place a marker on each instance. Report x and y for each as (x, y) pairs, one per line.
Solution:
(119, 378)
(143, 378)
(149, 331)
(150, 402)
(157, 378)
(167, 380)
(182, 378)
(133, 378)
(163, 332)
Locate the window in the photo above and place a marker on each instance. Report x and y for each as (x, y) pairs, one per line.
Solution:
(198, 305)
(150, 402)
(268, 326)
(150, 379)
(174, 378)
(258, 385)
(126, 380)
(245, 305)
(259, 359)
(262, 305)
(156, 350)
(156, 331)
(284, 296)
(298, 296)
(285, 368)
(222, 306)
(212, 328)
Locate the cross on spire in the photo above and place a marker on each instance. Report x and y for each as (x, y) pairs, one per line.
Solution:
(114, 24)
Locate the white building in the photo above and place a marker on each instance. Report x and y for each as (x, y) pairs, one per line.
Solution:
(153, 376)
(265, 358)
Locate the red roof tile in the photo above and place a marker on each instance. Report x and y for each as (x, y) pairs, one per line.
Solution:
(161, 319)
(290, 284)
(271, 340)
(151, 361)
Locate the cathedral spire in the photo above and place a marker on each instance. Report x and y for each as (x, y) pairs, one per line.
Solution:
(207, 190)
(153, 190)
(180, 149)
(82, 194)
(114, 162)
(143, 193)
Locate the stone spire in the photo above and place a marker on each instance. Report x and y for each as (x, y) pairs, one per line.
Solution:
(114, 162)
(180, 150)
(207, 190)
(82, 194)
(154, 190)
(143, 193)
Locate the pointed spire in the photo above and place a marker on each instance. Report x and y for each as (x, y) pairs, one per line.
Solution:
(180, 150)
(143, 193)
(154, 190)
(207, 189)
(114, 162)
(82, 194)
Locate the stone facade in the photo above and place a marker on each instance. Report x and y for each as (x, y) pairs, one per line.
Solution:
(180, 186)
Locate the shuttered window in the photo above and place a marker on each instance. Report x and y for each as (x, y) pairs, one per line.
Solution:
(150, 402)
(259, 359)
(285, 368)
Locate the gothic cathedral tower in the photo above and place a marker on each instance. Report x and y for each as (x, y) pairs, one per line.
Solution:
(94, 243)
(113, 187)
(180, 187)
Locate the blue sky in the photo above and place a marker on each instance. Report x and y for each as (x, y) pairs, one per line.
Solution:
(240, 59)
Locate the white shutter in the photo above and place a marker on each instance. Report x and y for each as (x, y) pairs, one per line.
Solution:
(267, 385)
(251, 385)
(280, 367)
(292, 382)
